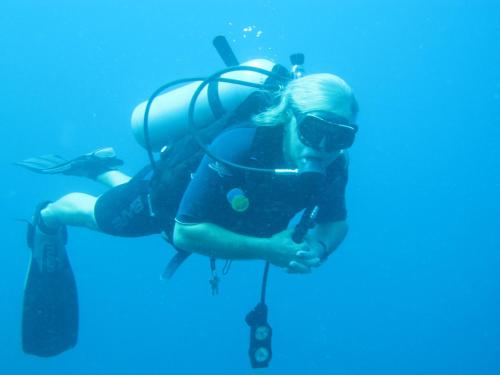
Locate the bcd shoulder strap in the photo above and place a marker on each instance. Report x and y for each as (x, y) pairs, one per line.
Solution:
(182, 158)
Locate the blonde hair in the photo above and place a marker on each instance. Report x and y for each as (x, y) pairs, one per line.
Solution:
(315, 92)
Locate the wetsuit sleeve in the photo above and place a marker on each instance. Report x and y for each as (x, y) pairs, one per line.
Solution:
(332, 206)
(206, 192)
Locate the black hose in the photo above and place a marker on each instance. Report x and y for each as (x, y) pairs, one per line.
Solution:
(216, 78)
(147, 138)
(264, 284)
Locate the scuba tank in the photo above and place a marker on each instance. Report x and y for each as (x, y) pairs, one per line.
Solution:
(168, 114)
(158, 124)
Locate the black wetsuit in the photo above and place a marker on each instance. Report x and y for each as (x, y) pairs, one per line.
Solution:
(255, 204)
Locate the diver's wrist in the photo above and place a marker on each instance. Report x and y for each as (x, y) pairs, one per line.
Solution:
(262, 248)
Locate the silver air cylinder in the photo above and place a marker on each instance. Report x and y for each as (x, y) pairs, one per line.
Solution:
(168, 115)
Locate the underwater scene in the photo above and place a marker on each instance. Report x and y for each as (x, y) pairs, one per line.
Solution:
(233, 187)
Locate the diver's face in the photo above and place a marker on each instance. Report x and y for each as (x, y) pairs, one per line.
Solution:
(301, 155)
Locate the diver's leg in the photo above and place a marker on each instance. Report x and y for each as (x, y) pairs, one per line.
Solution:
(75, 209)
(113, 178)
(50, 305)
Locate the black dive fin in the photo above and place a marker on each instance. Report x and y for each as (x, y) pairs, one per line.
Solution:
(50, 306)
(47, 164)
(89, 165)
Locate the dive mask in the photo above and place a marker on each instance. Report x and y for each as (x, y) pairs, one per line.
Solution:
(325, 130)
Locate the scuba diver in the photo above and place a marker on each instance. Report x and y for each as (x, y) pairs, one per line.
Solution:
(201, 204)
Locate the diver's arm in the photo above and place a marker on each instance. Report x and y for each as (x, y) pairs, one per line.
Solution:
(212, 240)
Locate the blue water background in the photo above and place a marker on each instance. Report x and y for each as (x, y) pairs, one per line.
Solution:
(415, 287)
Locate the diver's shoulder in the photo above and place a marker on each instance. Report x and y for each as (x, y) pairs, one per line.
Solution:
(236, 140)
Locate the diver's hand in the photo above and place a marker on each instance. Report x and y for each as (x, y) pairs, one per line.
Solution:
(282, 251)
(310, 258)
(294, 257)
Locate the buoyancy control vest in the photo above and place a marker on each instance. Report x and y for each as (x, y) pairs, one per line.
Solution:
(181, 159)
